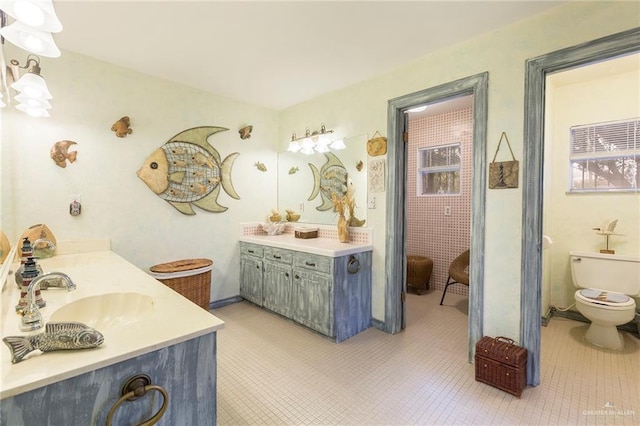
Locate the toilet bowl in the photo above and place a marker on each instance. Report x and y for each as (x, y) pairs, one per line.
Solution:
(605, 282)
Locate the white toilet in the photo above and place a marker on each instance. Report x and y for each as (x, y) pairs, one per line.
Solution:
(605, 281)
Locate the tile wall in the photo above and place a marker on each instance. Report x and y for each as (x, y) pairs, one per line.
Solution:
(430, 232)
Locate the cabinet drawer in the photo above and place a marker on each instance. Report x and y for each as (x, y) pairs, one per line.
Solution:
(278, 255)
(251, 249)
(313, 262)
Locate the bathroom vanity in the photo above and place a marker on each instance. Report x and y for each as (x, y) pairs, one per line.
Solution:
(152, 330)
(320, 283)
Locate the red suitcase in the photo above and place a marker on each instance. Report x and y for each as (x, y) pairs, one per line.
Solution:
(502, 364)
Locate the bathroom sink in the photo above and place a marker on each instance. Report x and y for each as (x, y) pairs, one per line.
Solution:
(106, 310)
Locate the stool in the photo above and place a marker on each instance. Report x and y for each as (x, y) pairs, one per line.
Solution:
(419, 272)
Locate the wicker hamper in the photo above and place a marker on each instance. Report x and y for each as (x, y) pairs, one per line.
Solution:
(190, 277)
(419, 272)
(502, 364)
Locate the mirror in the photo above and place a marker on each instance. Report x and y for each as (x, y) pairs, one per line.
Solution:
(299, 178)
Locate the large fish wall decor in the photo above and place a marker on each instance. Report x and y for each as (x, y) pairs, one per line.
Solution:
(332, 178)
(188, 171)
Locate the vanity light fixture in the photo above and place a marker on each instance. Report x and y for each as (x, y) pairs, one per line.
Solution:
(317, 141)
(33, 93)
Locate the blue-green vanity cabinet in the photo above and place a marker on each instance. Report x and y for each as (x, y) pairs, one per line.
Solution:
(331, 295)
(251, 272)
(276, 284)
(312, 296)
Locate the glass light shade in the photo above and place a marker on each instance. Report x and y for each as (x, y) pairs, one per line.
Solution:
(338, 144)
(38, 14)
(2, 104)
(294, 146)
(308, 150)
(322, 148)
(33, 102)
(33, 112)
(32, 40)
(307, 143)
(33, 86)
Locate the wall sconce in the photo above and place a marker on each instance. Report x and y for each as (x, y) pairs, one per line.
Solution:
(33, 93)
(318, 141)
(35, 21)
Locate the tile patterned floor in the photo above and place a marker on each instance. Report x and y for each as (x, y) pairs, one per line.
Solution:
(274, 372)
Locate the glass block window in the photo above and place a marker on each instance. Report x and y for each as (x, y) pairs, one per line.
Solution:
(604, 157)
(439, 170)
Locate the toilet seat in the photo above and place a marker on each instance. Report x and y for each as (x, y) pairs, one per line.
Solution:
(607, 298)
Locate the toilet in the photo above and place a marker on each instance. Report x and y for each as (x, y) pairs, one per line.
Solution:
(606, 283)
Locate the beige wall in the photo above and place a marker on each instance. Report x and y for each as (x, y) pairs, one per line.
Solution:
(90, 95)
(569, 218)
(362, 108)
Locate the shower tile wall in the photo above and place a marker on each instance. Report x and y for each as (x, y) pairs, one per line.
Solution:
(429, 232)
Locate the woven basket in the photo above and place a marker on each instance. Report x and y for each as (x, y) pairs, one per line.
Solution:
(419, 272)
(190, 277)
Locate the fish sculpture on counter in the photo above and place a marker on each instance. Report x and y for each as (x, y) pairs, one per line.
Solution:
(60, 153)
(57, 336)
(332, 178)
(188, 171)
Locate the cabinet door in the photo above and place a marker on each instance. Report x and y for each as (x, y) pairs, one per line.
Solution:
(251, 279)
(312, 300)
(276, 287)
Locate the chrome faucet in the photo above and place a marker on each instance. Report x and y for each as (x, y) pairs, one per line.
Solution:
(32, 318)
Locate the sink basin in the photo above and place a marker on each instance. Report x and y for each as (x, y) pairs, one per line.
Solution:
(106, 310)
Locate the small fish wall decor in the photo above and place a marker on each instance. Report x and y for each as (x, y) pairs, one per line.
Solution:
(57, 336)
(260, 166)
(245, 132)
(60, 153)
(122, 127)
(359, 166)
(187, 171)
(294, 170)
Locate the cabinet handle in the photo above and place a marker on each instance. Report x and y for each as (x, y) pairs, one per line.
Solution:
(251, 251)
(257, 266)
(134, 388)
(353, 267)
(286, 274)
(277, 257)
(310, 264)
(297, 277)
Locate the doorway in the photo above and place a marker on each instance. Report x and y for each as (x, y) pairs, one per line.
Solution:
(537, 70)
(395, 265)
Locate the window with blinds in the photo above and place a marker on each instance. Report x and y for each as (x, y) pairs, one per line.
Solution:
(439, 170)
(605, 157)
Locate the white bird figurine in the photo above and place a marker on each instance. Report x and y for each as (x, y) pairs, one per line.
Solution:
(607, 228)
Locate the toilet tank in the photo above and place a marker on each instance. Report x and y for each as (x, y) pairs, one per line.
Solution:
(610, 272)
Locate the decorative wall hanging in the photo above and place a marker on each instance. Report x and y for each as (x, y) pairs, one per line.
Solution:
(294, 170)
(188, 171)
(331, 179)
(260, 166)
(245, 132)
(60, 153)
(121, 127)
(376, 176)
(359, 166)
(503, 174)
(377, 145)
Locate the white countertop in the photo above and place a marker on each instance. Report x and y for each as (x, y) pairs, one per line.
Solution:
(173, 319)
(321, 246)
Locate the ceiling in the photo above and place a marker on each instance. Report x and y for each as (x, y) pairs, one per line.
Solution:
(275, 54)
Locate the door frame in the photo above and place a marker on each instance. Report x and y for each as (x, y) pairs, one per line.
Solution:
(531, 260)
(395, 263)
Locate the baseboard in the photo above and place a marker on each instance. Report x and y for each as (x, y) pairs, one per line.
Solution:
(224, 302)
(378, 324)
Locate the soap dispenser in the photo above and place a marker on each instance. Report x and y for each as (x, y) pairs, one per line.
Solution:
(29, 273)
(27, 251)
